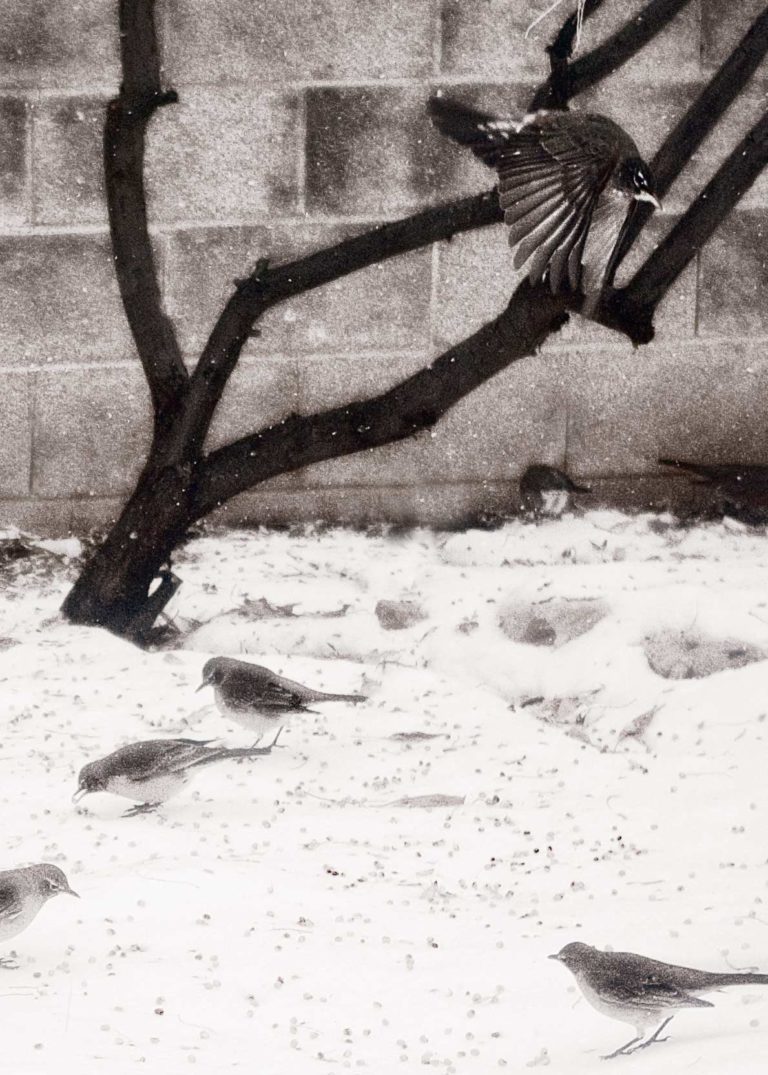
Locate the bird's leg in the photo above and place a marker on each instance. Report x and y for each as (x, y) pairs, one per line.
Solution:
(655, 1036)
(623, 1050)
(141, 808)
(274, 741)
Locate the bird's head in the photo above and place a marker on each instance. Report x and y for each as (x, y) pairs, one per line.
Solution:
(214, 671)
(575, 955)
(92, 778)
(50, 881)
(636, 179)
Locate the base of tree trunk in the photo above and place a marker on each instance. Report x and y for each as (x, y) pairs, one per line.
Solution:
(114, 589)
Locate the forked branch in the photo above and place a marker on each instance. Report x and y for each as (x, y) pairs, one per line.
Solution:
(263, 289)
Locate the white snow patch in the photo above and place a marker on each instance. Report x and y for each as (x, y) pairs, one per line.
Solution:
(307, 912)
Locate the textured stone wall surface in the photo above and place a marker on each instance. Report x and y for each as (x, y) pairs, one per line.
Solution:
(302, 121)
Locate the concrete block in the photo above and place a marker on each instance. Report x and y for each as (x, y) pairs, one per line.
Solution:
(258, 394)
(224, 154)
(16, 441)
(68, 164)
(487, 37)
(741, 117)
(627, 409)
(59, 43)
(723, 24)
(321, 40)
(446, 505)
(373, 151)
(91, 431)
(60, 300)
(385, 307)
(14, 198)
(516, 418)
(734, 277)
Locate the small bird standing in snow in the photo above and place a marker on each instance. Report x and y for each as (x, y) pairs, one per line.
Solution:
(258, 699)
(567, 183)
(642, 991)
(22, 893)
(151, 771)
(546, 491)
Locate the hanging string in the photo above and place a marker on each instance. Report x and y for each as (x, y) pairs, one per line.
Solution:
(551, 8)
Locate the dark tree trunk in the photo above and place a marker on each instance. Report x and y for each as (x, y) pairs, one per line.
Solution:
(127, 582)
(113, 590)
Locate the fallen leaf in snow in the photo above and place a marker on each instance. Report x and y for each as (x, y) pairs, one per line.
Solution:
(428, 801)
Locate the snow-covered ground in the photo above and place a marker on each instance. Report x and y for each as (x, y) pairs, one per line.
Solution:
(380, 894)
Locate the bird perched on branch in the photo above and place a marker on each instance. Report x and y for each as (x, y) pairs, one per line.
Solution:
(259, 699)
(546, 491)
(22, 894)
(640, 991)
(742, 486)
(567, 184)
(151, 771)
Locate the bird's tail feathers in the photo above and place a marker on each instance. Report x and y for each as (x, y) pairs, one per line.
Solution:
(701, 469)
(228, 752)
(480, 131)
(745, 978)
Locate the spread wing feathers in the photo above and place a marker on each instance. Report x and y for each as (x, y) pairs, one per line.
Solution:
(10, 903)
(608, 219)
(549, 185)
(479, 131)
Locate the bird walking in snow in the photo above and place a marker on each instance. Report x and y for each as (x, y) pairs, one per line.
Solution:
(640, 991)
(546, 491)
(152, 771)
(23, 893)
(259, 699)
(742, 486)
(567, 184)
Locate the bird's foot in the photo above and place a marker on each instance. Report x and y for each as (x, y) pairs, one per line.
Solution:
(654, 1037)
(141, 808)
(651, 1041)
(623, 1050)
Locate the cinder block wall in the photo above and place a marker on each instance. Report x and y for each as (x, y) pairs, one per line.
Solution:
(301, 121)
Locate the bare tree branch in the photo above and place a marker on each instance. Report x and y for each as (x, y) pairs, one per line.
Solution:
(267, 287)
(532, 315)
(612, 53)
(413, 405)
(124, 142)
(556, 91)
(264, 288)
(734, 177)
(703, 115)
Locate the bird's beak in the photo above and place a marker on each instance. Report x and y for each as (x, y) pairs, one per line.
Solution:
(71, 892)
(79, 794)
(555, 955)
(203, 684)
(646, 196)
